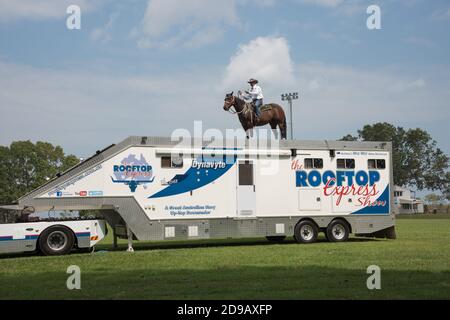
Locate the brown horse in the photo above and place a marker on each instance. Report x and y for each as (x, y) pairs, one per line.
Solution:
(245, 110)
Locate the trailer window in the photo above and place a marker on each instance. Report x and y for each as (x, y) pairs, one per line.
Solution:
(345, 163)
(315, 163)
(376, 164)
(245, 173)
(171, 162)
(381, 164)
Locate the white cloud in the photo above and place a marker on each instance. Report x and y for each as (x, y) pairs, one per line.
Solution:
(103, 34)
(341, 7)
(420, 41)
(85, 109)
(408, 85)
(342, 99)
(441, 14)
(169, 23)
(11, 10)
(259, 3)
(324, 3)
(266, 59)
(190, 23)
(339, 37)
(419, 83)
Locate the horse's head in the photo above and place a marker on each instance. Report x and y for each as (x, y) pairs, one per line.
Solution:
(228, 101)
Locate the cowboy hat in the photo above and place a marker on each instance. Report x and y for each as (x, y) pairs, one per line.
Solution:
(252, 81)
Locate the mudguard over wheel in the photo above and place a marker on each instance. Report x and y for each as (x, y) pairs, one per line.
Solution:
(306, 232)
(56, 240)
(338, 231)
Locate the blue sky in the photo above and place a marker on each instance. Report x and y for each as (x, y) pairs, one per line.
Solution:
(149, 67)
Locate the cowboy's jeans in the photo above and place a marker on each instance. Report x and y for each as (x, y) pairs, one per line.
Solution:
(258, 103)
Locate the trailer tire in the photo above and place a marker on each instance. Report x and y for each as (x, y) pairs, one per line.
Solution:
(338, 231)
(276, 238)
(306, 231)
(56, 240)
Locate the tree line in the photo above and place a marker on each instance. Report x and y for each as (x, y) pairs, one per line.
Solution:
(417, 161)
(25, 166)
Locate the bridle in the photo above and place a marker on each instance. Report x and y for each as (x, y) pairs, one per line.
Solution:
(231, 104)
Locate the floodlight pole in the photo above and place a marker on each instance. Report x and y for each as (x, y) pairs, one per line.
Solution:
(289, 97)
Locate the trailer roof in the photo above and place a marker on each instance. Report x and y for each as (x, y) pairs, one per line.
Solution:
(283, 144)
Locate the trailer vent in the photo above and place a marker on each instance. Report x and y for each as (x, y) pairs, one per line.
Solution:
(279, 228)
(169, 232)
(193, 231)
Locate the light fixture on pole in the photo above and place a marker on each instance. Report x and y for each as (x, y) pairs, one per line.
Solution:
(289, 97)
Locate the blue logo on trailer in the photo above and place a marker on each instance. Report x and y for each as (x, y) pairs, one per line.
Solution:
(133, 172)
(204, 170)
(362, 184)
(314, 178)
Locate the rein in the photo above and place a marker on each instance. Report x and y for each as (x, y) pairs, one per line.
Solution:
(246, 109)
(235, 112)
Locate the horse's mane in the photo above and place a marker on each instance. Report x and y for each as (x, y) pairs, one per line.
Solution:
(239, 99)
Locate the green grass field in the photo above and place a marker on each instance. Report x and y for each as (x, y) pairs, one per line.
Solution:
(415, 266)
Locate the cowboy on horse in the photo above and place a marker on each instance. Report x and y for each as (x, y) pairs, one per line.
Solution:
(255, 94)
(272, 113)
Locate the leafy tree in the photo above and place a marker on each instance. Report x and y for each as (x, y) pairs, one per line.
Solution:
(349, 137)
(417, 160)
(432, 199)
(24, 166)
(447, 190)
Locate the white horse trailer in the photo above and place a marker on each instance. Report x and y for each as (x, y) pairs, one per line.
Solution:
(153, 188)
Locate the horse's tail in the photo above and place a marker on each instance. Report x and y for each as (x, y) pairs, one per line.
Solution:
(283, 129)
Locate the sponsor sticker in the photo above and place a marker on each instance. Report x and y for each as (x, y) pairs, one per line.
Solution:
(95, 193)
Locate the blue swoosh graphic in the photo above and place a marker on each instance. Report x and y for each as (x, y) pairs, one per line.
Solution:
(196, 178)
(377, 209)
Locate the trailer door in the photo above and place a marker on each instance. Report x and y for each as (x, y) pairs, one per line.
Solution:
(246, 190)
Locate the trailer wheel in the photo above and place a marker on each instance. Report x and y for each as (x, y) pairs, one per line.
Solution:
(306, 232)
(338, 231)
(55, 241)
(276, 238)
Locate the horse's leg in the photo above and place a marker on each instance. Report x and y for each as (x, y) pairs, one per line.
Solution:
(283, 128)
(273, 126)
(249, 132)
(279, 119)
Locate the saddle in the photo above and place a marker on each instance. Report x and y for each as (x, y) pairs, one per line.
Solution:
(250, 108)
(265, 107)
